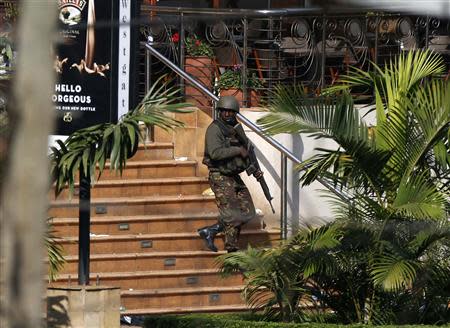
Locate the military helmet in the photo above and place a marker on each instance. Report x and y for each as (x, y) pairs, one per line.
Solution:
(228, 102)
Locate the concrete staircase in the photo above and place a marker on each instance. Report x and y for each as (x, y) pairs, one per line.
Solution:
(143, 237)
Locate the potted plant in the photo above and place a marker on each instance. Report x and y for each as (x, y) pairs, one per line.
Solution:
(230, 84)
(195, 47)
(199, 64)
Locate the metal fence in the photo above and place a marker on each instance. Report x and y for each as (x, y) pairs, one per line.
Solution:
(263, 48)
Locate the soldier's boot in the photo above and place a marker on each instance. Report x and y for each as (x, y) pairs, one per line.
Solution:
(208, 234)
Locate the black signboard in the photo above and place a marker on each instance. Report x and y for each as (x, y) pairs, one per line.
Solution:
(86, 62)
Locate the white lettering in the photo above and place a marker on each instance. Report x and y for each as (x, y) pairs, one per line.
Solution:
(68, 88)
(80, 4)
(72, 99)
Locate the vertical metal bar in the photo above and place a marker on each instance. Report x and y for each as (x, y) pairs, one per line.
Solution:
(182, 50)
(147, 69)
(244, 62)
(270, 52)
(84, 228)
(377, 25)
(285, 191)
(278, 48)
(215, 113)
(322, 69)
(283, 198)
(148, 75)
(427, 32)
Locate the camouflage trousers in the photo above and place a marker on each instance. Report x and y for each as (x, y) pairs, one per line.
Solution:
(235, 205)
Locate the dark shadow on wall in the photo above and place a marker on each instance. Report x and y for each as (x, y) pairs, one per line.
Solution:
(57, 315)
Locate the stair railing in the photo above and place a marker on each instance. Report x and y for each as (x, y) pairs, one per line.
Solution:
(284, 152)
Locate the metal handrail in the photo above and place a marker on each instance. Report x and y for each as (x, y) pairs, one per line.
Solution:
(242, 118)
(231, 12)
(285, 153)
(146, 8)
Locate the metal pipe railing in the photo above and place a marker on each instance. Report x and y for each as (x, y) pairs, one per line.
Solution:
(182, 50)
(285, 153)
(244, 61)
(207, 92)
(145, 9)
(234, 12)
(283, 198)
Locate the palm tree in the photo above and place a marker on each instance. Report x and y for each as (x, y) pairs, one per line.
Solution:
(393, 179)
(278, 279)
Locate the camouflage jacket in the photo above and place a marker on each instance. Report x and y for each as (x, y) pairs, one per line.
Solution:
(222, 150)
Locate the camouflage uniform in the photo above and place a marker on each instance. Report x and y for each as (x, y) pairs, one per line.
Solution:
(222, 155)
(235, 205)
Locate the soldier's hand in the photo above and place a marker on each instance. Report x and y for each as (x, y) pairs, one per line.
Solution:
(244, 152)
(258, 174)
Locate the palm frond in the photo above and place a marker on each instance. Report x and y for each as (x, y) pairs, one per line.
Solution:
(425, 238)
(417, 197)
(310, 249)
(431, 110)
(55, 256)
(272, 282)
(335, 119)
(291, 111)
(393, 272)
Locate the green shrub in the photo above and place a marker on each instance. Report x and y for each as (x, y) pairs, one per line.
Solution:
(239, 321)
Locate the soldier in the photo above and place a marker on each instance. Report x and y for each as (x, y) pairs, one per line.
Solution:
(226, 157)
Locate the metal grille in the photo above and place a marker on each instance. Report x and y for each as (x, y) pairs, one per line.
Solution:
(312, 49)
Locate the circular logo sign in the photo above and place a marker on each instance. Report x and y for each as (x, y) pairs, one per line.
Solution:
(70, 11)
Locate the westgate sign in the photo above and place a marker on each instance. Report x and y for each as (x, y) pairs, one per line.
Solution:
(90, 64)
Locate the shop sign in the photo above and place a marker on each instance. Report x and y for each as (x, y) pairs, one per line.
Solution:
(90, 48)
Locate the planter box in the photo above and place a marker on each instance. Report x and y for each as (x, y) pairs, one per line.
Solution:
(252, 101)
(83, 306)
(202, 69)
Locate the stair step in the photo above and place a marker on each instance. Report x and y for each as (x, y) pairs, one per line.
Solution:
(103, 244)
(136, 224)
(184, 260)
(156, 279)
(187, 309)
(136, 205)
(142, 187)
(143, 224)
(165, 298)
(152, 169)
(153, 150)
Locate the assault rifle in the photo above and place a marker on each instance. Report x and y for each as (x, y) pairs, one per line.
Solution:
(254, 164)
